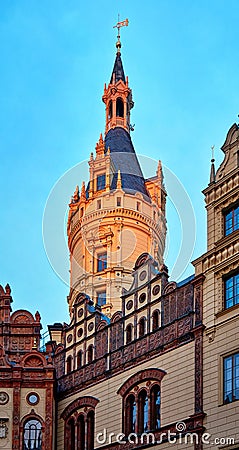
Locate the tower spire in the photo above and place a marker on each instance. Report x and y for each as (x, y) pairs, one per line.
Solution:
(117, 95)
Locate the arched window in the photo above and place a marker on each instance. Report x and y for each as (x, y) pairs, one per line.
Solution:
(119, 107)
(110, 109)
(32, 435)
(90, 430)
(90, 354)
(81, 432)
(129, 330)
(79, 359)
(143, 403)
(142, 327)
(141, 395)
(69, 364)
(155, 401)
(71, 434)
(155, 319)
(131, 415)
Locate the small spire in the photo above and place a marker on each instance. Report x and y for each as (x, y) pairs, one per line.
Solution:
(119, 181)
(76, 195)
(212, 173)
(83, 195)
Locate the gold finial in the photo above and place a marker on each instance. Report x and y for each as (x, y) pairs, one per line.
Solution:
(119, 24)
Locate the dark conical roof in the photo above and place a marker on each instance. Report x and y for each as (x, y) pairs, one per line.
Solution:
(125, 159)
(118, 69)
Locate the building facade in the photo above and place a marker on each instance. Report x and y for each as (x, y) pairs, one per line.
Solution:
(144, 362)
(27, 379)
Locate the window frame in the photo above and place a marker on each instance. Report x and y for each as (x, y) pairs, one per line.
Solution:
(101, 261)
(103, 294)
(32, 419)
(233, 378)
(231, 210)
(100, 182)
(235, 296)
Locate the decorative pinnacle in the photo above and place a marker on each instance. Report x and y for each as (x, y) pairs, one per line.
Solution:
(119, 181)
(212, 173)
(119, 24)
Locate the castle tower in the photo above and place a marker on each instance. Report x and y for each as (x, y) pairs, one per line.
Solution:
(119, 214)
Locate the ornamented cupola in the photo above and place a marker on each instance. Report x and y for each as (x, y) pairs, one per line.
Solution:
(117, 95)
(118, 214)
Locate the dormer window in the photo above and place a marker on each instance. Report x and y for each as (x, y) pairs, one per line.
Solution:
(232, 220)
(100, 185)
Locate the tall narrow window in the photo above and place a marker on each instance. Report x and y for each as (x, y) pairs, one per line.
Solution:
(110, 109)
(142, 326)
(69, 364)
(155, 401)
(79, 359)
(143, 411)
(130, 415)
(118, 201)
(32, 435)
(100, 182)
(101, 298)
(155, 320)
(71, 441)
(232, 220)
(129, 330)
(90, 430)
(232, 291)
(81, 433)
(101, 262)
(90, 353)
(231, 378)
(119, 107)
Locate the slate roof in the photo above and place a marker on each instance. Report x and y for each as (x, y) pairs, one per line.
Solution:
(118, 69)
(124, 158)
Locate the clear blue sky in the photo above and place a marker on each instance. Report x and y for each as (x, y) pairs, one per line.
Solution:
(182, 61)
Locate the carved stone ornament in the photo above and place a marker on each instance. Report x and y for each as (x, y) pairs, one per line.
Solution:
(4, 398)
(90, 326)
(142, 275)
(156, 289)
(129, 304)
(3, 429)
(69, 338)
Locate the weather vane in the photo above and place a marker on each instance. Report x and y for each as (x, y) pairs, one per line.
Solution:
(119, 24)
(212, 148)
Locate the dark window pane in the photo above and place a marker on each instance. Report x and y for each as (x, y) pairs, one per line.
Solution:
(232, 291)
(232, 220)
(101, 298)
(100, 182)
(102, 262)
(231, 378)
